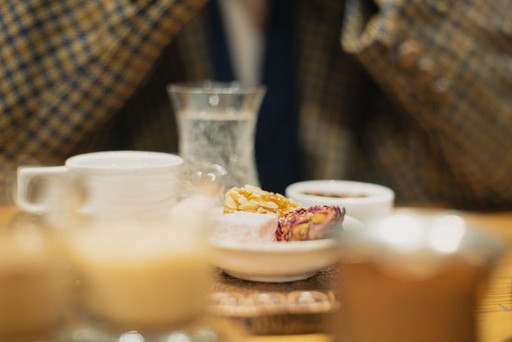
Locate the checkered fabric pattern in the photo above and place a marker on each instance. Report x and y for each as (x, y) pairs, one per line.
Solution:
(434, 124)
(67, 66)
(450, 137)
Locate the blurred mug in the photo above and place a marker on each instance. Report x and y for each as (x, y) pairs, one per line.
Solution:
(106, 184)
(412, 277)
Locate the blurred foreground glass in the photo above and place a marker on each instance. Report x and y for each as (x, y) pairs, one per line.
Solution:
(146, 277)
(34, 282)
(146, 281)
(216, 125)
(413, 277)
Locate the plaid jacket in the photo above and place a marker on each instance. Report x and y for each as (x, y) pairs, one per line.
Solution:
(415, 95)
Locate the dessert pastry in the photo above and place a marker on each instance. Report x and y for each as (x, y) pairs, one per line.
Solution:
(253, 199)
(242, 226)
(253, 214)
(312, 223)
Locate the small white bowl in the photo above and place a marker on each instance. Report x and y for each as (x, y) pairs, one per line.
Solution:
(278, 262)
(363, 201)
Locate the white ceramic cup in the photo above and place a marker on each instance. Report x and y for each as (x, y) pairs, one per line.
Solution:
(364, 201)
(114, 184)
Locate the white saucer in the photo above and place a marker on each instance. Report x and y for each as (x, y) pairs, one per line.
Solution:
(277, 261)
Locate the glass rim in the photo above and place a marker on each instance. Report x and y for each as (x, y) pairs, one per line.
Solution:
(215, 87)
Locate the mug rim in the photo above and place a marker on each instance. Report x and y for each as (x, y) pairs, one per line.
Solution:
(162, 160)
(376, 193)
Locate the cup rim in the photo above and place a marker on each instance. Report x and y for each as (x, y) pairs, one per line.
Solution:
(162, 160)
(377, 193)
(215, 87)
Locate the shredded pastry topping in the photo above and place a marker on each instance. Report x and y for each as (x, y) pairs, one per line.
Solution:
(253, 199)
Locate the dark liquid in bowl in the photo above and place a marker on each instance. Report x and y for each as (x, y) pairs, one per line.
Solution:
(334, 195)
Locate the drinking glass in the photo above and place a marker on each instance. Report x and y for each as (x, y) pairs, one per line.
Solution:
(413, 277)
(145, 280)
(216, 126)
(34, 284)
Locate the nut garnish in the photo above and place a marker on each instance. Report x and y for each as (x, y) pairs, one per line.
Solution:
(253, 199)
(312, 223)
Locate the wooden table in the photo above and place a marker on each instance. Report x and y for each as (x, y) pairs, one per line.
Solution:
(494, 311)
(495, 308)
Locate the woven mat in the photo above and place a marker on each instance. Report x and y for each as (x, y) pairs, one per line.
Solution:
(298, 307)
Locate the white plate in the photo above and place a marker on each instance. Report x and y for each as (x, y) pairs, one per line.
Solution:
(277, 261)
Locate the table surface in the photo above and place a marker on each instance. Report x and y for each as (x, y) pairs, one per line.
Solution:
(495, 309)
(494, 312)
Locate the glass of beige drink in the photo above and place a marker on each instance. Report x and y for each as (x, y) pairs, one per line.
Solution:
(33, 282)
(148, 278)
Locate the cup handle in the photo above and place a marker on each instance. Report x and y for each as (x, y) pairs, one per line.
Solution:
(25, 177)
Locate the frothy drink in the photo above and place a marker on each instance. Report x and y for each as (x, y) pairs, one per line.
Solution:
(141, 281)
